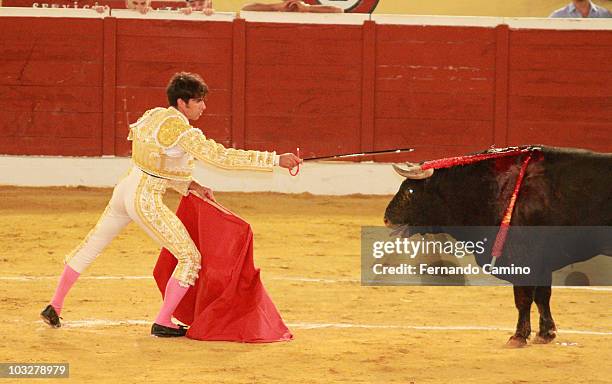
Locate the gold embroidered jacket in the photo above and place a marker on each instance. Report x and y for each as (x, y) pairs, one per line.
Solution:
(164, 144)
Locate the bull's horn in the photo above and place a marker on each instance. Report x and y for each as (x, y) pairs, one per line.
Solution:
(413, 171)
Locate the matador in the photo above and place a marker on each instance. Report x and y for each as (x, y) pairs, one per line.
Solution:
(164, 150)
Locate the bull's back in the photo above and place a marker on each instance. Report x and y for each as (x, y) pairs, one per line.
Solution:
(579, 186)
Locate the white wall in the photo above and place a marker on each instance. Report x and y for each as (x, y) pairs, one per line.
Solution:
(320, 178)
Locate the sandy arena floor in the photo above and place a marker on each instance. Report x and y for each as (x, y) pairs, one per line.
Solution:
(308, 250)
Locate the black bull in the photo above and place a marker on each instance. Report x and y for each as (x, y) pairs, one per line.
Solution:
(562, 187)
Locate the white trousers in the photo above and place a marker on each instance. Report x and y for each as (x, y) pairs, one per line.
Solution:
(138, 198)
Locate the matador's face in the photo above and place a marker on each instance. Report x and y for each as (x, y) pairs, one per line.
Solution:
(193, 109)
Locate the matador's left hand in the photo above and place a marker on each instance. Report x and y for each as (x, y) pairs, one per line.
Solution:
(202, 191)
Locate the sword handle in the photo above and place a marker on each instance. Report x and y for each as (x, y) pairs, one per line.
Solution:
(298, 166)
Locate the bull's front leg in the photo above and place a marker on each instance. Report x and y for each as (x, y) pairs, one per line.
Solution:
(548, 329)
(523, 297)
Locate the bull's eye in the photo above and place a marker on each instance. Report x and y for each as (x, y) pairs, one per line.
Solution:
(408, 194)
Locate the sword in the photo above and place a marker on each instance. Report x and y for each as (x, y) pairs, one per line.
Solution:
(349, 155)
(360, 154)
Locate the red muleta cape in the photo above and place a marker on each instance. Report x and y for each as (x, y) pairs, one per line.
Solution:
(228, 301)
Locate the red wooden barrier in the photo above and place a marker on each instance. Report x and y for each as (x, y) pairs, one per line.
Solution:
(51, 86)
(303, 87)
(561, 88)
(70, 86)
(435, 89)
(150, 51)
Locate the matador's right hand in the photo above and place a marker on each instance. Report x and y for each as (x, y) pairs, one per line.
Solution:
(289, 160)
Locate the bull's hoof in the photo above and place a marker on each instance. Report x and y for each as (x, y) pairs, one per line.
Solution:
(516, 342)
(544, 338)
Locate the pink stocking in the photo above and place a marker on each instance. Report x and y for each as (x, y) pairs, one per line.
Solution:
(69, 276)
(172, 297)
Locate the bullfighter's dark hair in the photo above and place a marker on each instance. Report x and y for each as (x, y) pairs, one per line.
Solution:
(185, 86)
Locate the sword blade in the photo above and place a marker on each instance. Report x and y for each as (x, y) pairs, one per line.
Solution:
(360, 154)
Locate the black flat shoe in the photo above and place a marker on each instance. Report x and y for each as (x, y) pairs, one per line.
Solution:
(50, 317)
(163, 331)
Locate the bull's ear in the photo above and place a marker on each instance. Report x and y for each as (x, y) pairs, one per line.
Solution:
(413, 171)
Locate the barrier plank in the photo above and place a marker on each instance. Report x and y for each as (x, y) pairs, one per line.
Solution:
(51, 99)
(434, 106)
(49, 73)
(314, 135)
(407, 78)
(175, 29)
(590, 135)
(280, 102)
(303, 77)
(133, 99)
(50, 133)
(583, 83)
(399, 133)
(152, 73)
(163, 49)
(560, 108)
